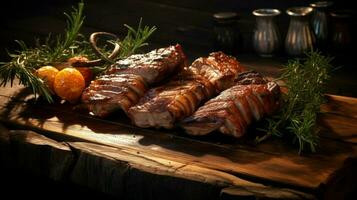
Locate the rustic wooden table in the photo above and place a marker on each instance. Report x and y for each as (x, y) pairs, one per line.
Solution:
(117, 159)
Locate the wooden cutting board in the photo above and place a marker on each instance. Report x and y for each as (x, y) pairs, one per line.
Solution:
(329, 173)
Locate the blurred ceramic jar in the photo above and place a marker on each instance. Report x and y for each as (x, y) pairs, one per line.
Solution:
(266, 37)
(300, 38)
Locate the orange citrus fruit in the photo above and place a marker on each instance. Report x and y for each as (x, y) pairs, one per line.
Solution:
(69, 84)
(85, 71)
(76, 59)
(47, 74)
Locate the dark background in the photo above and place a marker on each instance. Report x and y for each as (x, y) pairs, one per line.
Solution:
(188, 22)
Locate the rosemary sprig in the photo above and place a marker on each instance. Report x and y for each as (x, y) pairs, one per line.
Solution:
(305, 80)
(74, 23)
(135, 39)
(24, 62)
(132, 42)
(22, 67)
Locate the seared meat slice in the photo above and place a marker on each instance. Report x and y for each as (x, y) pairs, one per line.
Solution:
(163, 106)
(219, 68)
(234, 109)
(112, 92)
(127, 81)
(249, 77)
(153, 66)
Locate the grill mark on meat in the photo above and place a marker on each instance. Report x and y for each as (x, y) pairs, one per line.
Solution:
(219, 68)
(183, 100)
(113, 92)
(254, 106)
(126, 92)
(249, 77)
(124, 100)
(181, 96)
(124, 83)
(179, 101)
(227, 111)
(153, 66)
(243, 107)
(137, 85)
(235, 108)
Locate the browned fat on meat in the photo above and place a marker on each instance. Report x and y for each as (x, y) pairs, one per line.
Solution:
(163, 106)
(127, 81)
(154, 66)
(219, 68)
(234, 109)
(113, 92)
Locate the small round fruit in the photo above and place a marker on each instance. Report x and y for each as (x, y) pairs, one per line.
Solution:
(69, 84)
(47, 74)
(86, 73)
(77, 59)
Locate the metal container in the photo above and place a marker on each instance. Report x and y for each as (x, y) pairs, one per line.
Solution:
(342, 31)
(300, 37)
(266, 37)
(226, 33)
(320, 22)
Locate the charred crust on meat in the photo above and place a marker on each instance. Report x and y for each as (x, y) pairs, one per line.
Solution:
(124, 83)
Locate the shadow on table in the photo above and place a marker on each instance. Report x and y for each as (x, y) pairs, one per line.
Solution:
(37, 113)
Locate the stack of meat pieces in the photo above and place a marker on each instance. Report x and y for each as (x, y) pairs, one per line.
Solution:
(124, 83)
(229, 96)
(179, 98)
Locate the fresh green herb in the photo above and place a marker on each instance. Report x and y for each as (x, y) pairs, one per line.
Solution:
(135, 39)
(21, 68)
(24, 62)
(74, 23)
(132, 42)
(27, 60)
(305, 81)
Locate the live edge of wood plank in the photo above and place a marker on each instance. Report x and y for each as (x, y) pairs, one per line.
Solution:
(126, 174)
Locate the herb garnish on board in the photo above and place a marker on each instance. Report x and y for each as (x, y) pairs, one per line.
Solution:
(25, 61)
(305, 81)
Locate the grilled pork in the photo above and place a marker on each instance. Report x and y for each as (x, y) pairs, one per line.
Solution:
(219, 68)
(124, 83)
(235, 108)
(164, 105)
(154, 66)
(113, 92)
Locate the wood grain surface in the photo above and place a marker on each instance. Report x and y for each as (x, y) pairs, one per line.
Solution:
(223, 162)
(126, 174)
